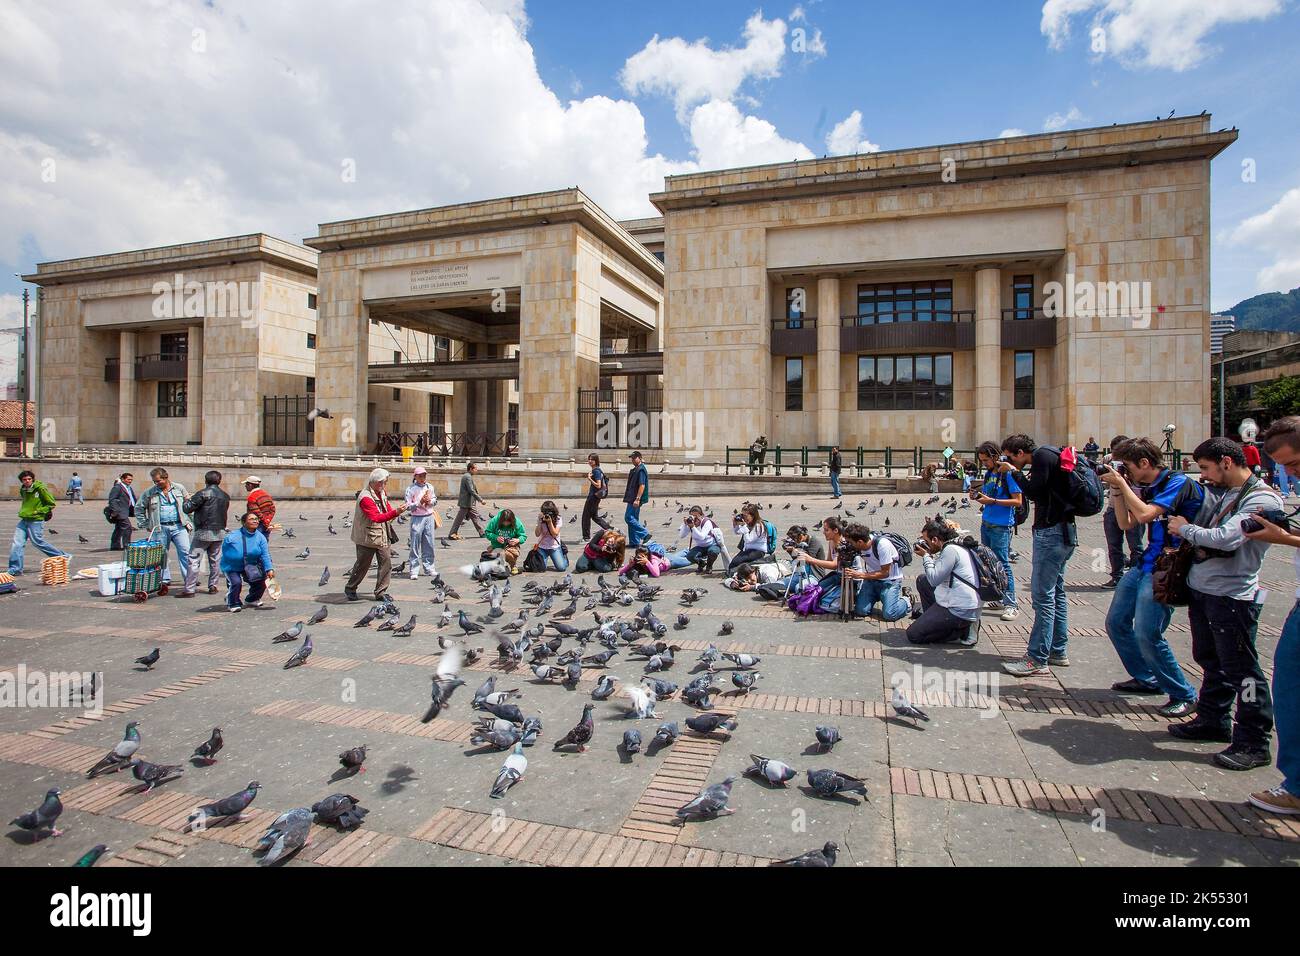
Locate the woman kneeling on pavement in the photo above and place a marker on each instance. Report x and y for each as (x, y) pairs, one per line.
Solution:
(603, 553)
(246, 558)
(506, 533)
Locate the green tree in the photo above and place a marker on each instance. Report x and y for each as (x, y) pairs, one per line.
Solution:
(1280, 398)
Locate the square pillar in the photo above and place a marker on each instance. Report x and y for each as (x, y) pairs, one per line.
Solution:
(194, 385)
(988, 355)
(828, 360)
(342, 358)
(126, 387)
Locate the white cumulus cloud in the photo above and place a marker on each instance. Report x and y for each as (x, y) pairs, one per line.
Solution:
(846, 137)
(1276, 234)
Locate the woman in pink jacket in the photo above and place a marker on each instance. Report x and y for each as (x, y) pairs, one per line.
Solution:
(646, 563)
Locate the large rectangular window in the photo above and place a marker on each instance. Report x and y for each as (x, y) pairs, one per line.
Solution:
(1024, 380)
(796, 306)
(438, 417)
(441, 348)
(794, 385)
(1022, 297)
(904, 382)
(923, 301)
(171, 400)
(311, 340)
(174, 345)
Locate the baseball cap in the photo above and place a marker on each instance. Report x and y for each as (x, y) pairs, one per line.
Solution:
(251, 479)
(419, 471)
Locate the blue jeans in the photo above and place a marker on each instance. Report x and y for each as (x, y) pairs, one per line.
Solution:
(421, 545)
(1136, 625)
(1286, 701)
(29, 528)
(997, 538)
(1052, 549)
(1284, 480)
(557, 557)
(888, 593)
(693, 556)
(636, 531)
(176, 536)
(835, 483)
(236, 581)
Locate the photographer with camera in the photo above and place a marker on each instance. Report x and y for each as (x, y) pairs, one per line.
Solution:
(1117, 536)
(1001, 498)
(950, 603)
(1224, 608)
(837, 554)
(1048, 486)
(1136, 621)
(753, 533)
(705, 542)
(549, 546)
(1282, 442)
(881, 575)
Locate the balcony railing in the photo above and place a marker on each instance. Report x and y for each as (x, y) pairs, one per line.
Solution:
(909, 315)
(156, 366)
(1027, 329)
(794, 336)
(909, 329)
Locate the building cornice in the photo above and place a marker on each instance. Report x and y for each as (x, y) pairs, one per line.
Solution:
(255, 247)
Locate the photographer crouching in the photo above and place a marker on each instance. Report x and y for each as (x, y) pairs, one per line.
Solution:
(705, 542)
(950, 603)
(1224, 608)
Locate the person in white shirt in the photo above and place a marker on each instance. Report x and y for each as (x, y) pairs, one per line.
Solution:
(422, 506)
(881, 575)
(950, 603)
(753, 536)
(750, 577)
(705, 544)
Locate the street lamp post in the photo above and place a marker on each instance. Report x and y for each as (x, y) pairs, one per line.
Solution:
(23, 379)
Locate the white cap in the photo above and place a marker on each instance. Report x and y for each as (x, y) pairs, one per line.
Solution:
(252, 480)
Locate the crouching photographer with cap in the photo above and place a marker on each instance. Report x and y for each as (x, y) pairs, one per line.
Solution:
(1224, 608)
(950, 603)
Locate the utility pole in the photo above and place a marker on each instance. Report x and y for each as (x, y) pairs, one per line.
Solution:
(23, 384)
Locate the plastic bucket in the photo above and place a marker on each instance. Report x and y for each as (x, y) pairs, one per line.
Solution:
(111, 577)
(408, 452)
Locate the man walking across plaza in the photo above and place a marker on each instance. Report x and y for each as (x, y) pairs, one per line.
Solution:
(373, 534)
(836, 465)
(465, 502)
(422, 505)
(75, 495)
(597, 489)
(161, 513)
(120, 511)
(210, 507)
(1055, 537)
(35, 508)
(1224, 608)
(260, 502)
(636, 494)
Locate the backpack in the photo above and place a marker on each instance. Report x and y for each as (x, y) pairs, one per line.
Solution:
(1021, 510)
(806, 601)
(901, 546)
(603, 491)
(771, 536)
(1084, 496)
(534, 562)
(991, 577)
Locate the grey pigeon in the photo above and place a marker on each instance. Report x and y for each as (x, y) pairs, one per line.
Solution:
(341, 809)
(149, 660)
(711, 802)
(824, 857)
(466, 625)
(581, 734)
(320, 614)
(291, 633)
(286, 836)
(827, 738)
(231, 806)
(667, 734)
(206, 752)
(511, 772)
(632, 741)
(369, 616)
(604, 687)
(743, 660)
(120, 756)
(406, 629)
(300, 656)
(830, 782)
(43, 817)
(154, 774)
(904, 708)
(707, 723)
(744, 680)
(774, 771)
(325, 575)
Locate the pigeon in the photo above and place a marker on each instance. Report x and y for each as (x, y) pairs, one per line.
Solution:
(43, 817)
(286, 836)
(206, 752)
(711, 802)
(354, 759)
(324, 577)
(466, 625)
(643, 702)
(667, 734)
(369, 616)
(304, 554)
(547, 672)
(632, 741)
(508, 712)
(662, 689)
(511, 772)
(824, 857)
(581, 734)
(743, 660)
(499, 739)
(149, 660)
(330, 529)
(604, 688)
(83, 539)
(727, 628)
(406, 629)
(302, 517)
(710, 655)
(445, 618)
(827, 738)
(288, 533)
(232, 806)
(774, 771)
(445, 681)
(341, 809)
(744, 680)
(91, 856)
(120, 756)
(300, 656)
(682, 621)
(532, 726)
(321, 613)
(291, 633)
(904, 708)
(707, 723)
(601, 659)
(154, 774)
(830, 782)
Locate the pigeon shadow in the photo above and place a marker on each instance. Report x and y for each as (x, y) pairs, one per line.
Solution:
(763, 782)
(814, 750)
(655, 746)
(833, 798)
(398, 778)
(343, 773)
(27, 837)
(895, 721)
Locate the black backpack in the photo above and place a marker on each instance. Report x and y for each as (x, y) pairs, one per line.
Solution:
(991, 577)
(902, 547)
(1084, 496)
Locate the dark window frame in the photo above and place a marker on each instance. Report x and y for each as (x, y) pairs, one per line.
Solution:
(794, 399)
(311, 301)
(793, 319)
(924, 300)
(311, 340)
(180, 345)
(1023, 398)
(927, 385)
(173, 400)
(1022, 297)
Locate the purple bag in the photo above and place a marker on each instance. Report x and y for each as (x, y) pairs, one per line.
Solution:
(806, 601)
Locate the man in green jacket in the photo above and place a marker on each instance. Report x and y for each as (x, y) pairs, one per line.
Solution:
(36, 508)
(507, 533)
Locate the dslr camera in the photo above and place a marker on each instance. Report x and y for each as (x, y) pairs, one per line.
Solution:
(1272, 517)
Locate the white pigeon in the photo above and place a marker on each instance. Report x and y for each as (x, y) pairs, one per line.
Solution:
(512, 771)
(904, 708)
(643, 701)
(449, 663)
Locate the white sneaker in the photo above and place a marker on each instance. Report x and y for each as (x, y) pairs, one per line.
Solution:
(1010, 614)
(413, 576)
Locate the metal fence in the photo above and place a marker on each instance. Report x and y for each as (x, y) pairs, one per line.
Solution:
(620, 418)
(284, 420)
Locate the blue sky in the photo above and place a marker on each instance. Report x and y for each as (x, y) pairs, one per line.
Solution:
(175, 120)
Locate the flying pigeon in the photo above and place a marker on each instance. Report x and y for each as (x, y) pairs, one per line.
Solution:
(43, 817)
(120, 756)
(512, 771)
(206, 752)
(300, 656)
(341, 809)
(445, 680)
(643, 702)
(286, 836)
(711, 802)
(824, 857)
(232, 806)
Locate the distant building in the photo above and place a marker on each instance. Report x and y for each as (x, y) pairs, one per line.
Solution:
(11, 426)
(1220, 325)
(1252, 358)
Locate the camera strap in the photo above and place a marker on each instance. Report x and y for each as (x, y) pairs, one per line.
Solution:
(1219, 517)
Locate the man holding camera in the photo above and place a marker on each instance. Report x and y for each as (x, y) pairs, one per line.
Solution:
(950, 603)
(1117, 536)
(1224, 608)
(1282, 442)
(881, 575)
(1047, 485)
(705, 543)
(1136, 621)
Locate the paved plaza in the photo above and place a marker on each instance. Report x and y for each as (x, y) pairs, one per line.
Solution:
(1050, 771)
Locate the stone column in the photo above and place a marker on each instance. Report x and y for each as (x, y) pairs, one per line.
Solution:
(126, 387)
(828, 360)
(194, 385)
(988, 355)
(342, 357)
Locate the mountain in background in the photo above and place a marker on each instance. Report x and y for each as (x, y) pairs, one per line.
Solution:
(1268, 312)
